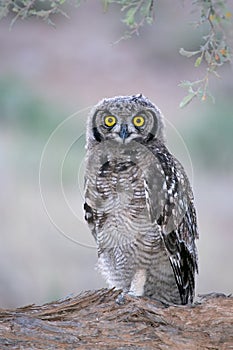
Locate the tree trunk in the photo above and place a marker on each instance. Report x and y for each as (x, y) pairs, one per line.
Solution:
(93, 320)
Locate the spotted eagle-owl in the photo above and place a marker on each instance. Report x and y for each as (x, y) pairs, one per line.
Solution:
(139, 203)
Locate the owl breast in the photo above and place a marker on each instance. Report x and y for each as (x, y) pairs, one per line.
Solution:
(120, 185)
(128, 240)
(117, 196)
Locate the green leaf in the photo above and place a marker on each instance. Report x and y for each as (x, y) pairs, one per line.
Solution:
(149, 20)
(198, 61)
(187, 99)
(185, 83)
(130, 17)
(188, 53)
(208, 57)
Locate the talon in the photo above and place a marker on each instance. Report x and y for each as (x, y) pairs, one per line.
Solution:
(120, 300)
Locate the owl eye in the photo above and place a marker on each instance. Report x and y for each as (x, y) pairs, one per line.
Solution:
(138, 121)
(110, 120)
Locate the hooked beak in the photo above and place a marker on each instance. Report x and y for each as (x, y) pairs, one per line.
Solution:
(124, 133)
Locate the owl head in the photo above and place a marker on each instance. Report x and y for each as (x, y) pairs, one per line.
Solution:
(123, 119)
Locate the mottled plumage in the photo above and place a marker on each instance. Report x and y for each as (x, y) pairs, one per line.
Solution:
(139, 203)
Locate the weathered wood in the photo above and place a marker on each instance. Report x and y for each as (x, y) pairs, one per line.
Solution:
(93, 320)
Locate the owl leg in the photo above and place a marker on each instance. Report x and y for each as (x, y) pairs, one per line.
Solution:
(138, 282)
(136, 287)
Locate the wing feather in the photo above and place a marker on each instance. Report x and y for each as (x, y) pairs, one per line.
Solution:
(177, 220)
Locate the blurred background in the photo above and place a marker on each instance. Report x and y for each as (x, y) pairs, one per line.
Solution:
(49, 79)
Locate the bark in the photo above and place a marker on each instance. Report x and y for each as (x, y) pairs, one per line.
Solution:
(93, 320)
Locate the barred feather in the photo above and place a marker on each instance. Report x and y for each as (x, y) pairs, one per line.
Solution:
(139, 204)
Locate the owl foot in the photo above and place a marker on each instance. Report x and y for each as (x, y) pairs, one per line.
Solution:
(122, 298)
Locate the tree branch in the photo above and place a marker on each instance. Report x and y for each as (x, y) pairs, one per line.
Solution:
(93, 320)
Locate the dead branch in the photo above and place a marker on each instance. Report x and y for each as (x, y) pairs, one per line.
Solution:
(93, 320)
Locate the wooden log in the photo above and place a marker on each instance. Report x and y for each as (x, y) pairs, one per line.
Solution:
(93, 320)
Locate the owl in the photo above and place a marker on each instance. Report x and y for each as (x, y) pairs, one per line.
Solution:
(139, 203)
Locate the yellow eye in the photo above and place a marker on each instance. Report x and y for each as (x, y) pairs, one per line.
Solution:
(138, 121)
(110, 120)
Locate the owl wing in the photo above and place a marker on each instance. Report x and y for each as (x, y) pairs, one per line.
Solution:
(89, 217)
(97, 191)
(90, 213)
(176, 218)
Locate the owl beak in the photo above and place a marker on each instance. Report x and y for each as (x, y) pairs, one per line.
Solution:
(124, 133)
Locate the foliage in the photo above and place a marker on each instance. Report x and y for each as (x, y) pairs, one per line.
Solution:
(214, 50)
(22, 9)
(136, 14)
(213, 18)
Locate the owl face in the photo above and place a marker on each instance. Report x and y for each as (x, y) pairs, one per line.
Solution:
(126, 118)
